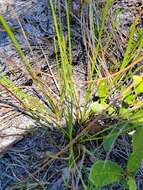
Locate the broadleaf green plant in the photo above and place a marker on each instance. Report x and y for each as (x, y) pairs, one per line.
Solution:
(104, 173)
(136, 156)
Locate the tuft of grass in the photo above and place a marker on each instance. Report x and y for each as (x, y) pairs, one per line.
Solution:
(116, 94)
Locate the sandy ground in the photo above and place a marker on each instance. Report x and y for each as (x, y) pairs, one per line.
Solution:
(11, 122)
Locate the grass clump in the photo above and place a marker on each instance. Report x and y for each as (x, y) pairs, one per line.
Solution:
(111, 105)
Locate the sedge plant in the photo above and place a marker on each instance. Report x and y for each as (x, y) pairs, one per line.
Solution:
(112, 89)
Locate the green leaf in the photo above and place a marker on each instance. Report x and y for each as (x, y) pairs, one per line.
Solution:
(123, 182)
(124, 112)
(138, 83)
(96, 107)
(137, 153)
(130, 45)
(109, 142)
(102, 88)
(104, 173)
(111, 138)
(131, 183)
(129, 99)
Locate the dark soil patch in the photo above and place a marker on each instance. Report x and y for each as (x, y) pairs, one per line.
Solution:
(19, 164)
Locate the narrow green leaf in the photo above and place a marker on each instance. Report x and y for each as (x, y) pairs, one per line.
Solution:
(109, 142)
(129, 99)
(104, 173)
(102, 88)
(131, 183)
(17, 45)
(137, 154)
(111, 138)
(138, 83)
(130, 45)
